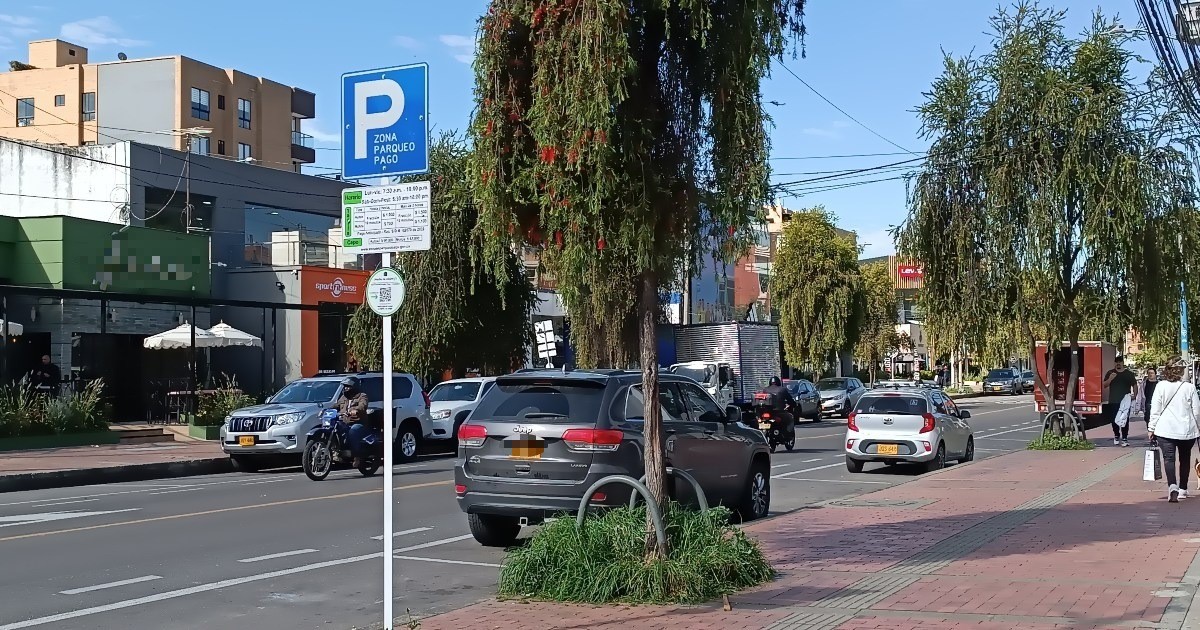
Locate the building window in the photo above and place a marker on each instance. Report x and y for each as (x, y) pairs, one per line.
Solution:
(25, 111)
(244, 152)
(200, 145)
(60, 100)
(243, 113)
(89, 106)
(220, 147)
(200, 104)
(220, 101)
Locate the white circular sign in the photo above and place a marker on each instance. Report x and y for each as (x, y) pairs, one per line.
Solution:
(385, 291)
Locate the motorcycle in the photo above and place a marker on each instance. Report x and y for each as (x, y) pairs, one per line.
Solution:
(328, 445)
(773, 424)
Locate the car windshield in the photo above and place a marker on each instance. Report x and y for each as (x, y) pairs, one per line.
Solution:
(307, 392)
(454, 392)
(826, 384)
(699, 374)
(897, 404)
(999, 374)
(792, 386)
(546, 401)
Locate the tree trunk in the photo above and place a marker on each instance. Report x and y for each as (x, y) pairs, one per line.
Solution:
(656, 467)
(1042, 384)
(1072, 383)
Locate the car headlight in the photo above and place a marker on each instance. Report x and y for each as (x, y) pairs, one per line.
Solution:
(440, 414)
(287, 418)
(226, 424)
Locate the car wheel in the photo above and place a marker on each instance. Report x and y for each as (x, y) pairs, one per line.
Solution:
(853, 465)
(939, 460)
(408, 442)
(245, 463)
(791, 444)
(757, 500)
(969, 456)
(490, 530)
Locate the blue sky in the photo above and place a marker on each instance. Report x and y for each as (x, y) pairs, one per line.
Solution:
(872, 58)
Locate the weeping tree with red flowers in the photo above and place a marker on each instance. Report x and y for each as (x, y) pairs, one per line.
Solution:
(626, 139)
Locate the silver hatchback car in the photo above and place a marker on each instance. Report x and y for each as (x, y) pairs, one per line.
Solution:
(908, 424)
(538, 440)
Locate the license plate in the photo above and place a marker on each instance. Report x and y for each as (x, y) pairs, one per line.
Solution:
(525, 448)
(765, 426)
(995, 389)
(888, 449)
(245, 440)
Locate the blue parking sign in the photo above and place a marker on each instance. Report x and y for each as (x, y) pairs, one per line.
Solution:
(385, 122)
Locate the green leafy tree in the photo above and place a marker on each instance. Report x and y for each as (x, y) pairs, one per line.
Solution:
(817, 285)
(624, 138)
(1055, 192)
(456, 315)
(877, 333)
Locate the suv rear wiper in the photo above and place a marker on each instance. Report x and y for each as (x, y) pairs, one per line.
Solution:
(547, 416)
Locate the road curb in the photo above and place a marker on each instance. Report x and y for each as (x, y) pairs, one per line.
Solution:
(114, 474)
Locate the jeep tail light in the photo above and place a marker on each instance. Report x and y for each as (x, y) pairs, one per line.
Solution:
(471, 435)
(850, 424)
(593, 440)
(599, 497)
(460, 489)
(930, 423)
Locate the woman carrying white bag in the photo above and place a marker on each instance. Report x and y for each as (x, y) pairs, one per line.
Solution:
(1174, 410)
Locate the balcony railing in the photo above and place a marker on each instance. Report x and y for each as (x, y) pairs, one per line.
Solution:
(302, 139)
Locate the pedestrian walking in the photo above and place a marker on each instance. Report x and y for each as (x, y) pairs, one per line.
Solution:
(1149, 382)
(1120, 383)
(1174, 410)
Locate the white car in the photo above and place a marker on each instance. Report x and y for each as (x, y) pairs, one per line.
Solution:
(452, 401)
(908, 425)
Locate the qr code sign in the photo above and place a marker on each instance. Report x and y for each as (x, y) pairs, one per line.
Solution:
(385, 294)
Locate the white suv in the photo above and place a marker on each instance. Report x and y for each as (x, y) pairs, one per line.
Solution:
(452, 401)
(279, 427)
(907, 424)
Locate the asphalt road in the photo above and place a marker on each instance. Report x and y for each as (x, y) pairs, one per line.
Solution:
(275, 550)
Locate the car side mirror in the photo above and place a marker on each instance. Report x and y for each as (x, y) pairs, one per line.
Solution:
(733, 414)
(964, 414)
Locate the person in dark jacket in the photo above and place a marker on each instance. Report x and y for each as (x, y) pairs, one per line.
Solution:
(352, 407)
(1147, 395)
(784, 402)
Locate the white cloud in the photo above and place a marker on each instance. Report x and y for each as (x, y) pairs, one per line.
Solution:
(13, 27)
(98, 31)
(16, 20)
(819, 132)
(404, 41)
(461, 47)
(323, 137)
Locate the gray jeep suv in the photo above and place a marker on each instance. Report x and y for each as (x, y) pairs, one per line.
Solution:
(538, 440)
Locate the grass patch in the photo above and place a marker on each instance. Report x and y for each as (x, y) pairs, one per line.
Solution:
(1049, 442)
(604, 561)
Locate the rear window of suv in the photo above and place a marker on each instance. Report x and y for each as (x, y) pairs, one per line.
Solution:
(897, 404)
(542, 401)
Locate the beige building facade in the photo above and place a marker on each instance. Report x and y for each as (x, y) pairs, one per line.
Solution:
(59, 97)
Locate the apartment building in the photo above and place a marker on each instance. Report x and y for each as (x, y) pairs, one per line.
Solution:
(59, 97)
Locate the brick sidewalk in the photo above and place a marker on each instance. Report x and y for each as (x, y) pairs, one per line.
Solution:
(1023, 541)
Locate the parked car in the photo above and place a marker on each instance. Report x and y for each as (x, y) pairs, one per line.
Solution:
(908, 425)
(538, 440)
(807, 397)
(1003, 381)
(839, 395)
(452, 401)
(279, 427)
(1030, 381)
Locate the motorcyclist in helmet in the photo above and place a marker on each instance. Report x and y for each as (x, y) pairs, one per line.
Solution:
(784, 403)
(352, 408)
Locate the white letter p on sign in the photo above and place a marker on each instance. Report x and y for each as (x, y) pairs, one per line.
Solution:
(364, 122)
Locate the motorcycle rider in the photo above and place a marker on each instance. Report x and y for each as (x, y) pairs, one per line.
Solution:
(352, 408)
(784, 402)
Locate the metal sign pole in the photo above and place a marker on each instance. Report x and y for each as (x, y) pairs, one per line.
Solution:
(388, 454)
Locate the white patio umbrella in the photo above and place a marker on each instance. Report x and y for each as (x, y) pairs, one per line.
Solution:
(231, 336)
(14, 329)
(180, 338)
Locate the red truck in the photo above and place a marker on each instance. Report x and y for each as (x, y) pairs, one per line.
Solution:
(1096, 358)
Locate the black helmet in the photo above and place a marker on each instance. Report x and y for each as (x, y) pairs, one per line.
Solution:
(350, 382)
(775, 382)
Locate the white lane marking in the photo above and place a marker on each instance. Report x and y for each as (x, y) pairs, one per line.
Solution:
(884, 483)
(42, 505)
(184, 592)
(175, 491)
(45, 517)
(994, 450)
(415, 530)
(1023, 441)
(259, 483)
(436, 543)
(439, 560)
(272, 556)
(1017, 430)
(780, 466)
(809, 461)
(100, 587)
(804, 470)
(109, 494)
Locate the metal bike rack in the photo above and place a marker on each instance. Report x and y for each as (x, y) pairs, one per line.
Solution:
(686, 477)
(655, 513)
(1068, 417)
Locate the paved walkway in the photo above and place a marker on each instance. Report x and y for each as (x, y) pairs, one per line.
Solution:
(1026, 541)
(104, 456)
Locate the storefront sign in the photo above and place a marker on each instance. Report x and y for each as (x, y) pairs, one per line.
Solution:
(912, 271)
(336, 287)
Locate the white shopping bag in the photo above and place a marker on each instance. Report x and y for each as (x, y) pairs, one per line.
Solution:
(1122, 418)
(1152, 469)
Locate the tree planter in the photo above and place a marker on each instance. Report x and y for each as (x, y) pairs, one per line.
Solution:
(32, 442)
(204, 433)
